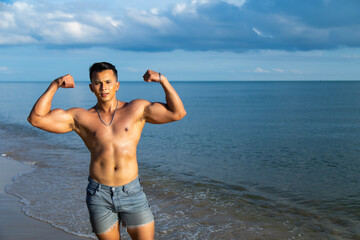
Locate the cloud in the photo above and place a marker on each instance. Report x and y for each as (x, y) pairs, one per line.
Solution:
(219, 25)
(237, 3)
(257, 31)
(179, 8)
(350, 56)
(278, 70)
(148, 19)
(154, 11)
(3, 69)
(61, 28)
(260, 33)
(260, 70)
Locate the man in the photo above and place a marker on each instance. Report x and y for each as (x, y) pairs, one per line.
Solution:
(111, 131)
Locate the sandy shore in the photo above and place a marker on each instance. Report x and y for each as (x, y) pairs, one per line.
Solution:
(14, 224)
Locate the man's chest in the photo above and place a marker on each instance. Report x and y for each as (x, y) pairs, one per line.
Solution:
(123, 127)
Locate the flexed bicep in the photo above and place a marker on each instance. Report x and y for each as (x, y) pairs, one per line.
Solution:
(56, 121)
(158, 113)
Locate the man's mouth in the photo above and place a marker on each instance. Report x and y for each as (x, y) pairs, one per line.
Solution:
(104, 94)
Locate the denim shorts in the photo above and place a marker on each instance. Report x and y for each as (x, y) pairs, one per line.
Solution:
(108, 205)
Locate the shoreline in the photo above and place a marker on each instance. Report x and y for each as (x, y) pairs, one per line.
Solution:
(14, 224)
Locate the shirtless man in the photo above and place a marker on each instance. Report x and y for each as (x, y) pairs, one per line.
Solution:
(111, 131)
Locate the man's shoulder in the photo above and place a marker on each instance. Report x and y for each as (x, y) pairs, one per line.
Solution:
(83, 116)
(137, 106)
(76, 111)
(138, 103)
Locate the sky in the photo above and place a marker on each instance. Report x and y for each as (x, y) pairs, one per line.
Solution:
(186, 40)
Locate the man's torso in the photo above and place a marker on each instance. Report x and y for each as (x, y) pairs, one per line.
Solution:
(112, 148)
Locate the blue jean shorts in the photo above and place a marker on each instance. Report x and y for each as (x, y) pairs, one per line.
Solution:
(108, 205)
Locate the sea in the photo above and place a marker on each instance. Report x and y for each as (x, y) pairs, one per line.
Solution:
(251, 159)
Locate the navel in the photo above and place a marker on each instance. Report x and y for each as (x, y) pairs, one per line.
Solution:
(126, 129)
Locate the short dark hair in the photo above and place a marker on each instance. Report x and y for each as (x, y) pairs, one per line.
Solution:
(101, 66)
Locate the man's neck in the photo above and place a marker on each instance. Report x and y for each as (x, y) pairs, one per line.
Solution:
(108, 106)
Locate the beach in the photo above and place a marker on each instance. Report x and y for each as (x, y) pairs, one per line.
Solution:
(14, 224)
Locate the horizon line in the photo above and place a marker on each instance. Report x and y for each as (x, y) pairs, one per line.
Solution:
(136, 81)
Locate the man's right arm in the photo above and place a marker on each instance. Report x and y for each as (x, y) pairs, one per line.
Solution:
(56, 120)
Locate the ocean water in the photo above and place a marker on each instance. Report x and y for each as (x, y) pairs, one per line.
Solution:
(251, 160)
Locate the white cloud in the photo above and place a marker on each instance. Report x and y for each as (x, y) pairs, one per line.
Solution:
(179, 8)
(63, 32)
(154, 11)
(260, 33)
(106, 23)
(13, 38)
(260, 70)
(58, 15)
(3, 69)
(278, 70)
(350, 56)
(200, 2)
(23, 7)
(257, 31)
(6, 20)
(78, 30)
(191, 8)
(219, 25)
(148, 19)
(57, 24)
(22, 23)
(237, 3)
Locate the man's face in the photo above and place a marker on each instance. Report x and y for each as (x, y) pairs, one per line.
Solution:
(104, 85)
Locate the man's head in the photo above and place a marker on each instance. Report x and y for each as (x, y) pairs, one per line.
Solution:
(101, 66)
(104, 83)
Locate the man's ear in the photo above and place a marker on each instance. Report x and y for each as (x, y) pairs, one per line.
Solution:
(91, 87)
(117, 85)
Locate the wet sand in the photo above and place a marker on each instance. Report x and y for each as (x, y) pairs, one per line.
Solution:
(14, 224)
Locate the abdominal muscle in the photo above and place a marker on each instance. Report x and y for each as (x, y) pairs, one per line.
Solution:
(113, 167)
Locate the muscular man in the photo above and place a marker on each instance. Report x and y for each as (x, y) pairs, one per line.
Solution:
(111, 131)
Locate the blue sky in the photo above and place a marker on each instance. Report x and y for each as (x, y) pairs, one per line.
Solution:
(184, 39)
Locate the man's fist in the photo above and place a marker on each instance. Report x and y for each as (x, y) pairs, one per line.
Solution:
(66, 81)
(152, 76)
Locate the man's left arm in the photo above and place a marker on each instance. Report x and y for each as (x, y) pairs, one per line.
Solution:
(158, 113)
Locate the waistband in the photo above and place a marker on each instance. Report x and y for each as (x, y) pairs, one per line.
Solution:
(130, 185)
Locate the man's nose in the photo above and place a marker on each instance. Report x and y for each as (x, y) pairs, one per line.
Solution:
(102, 86)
